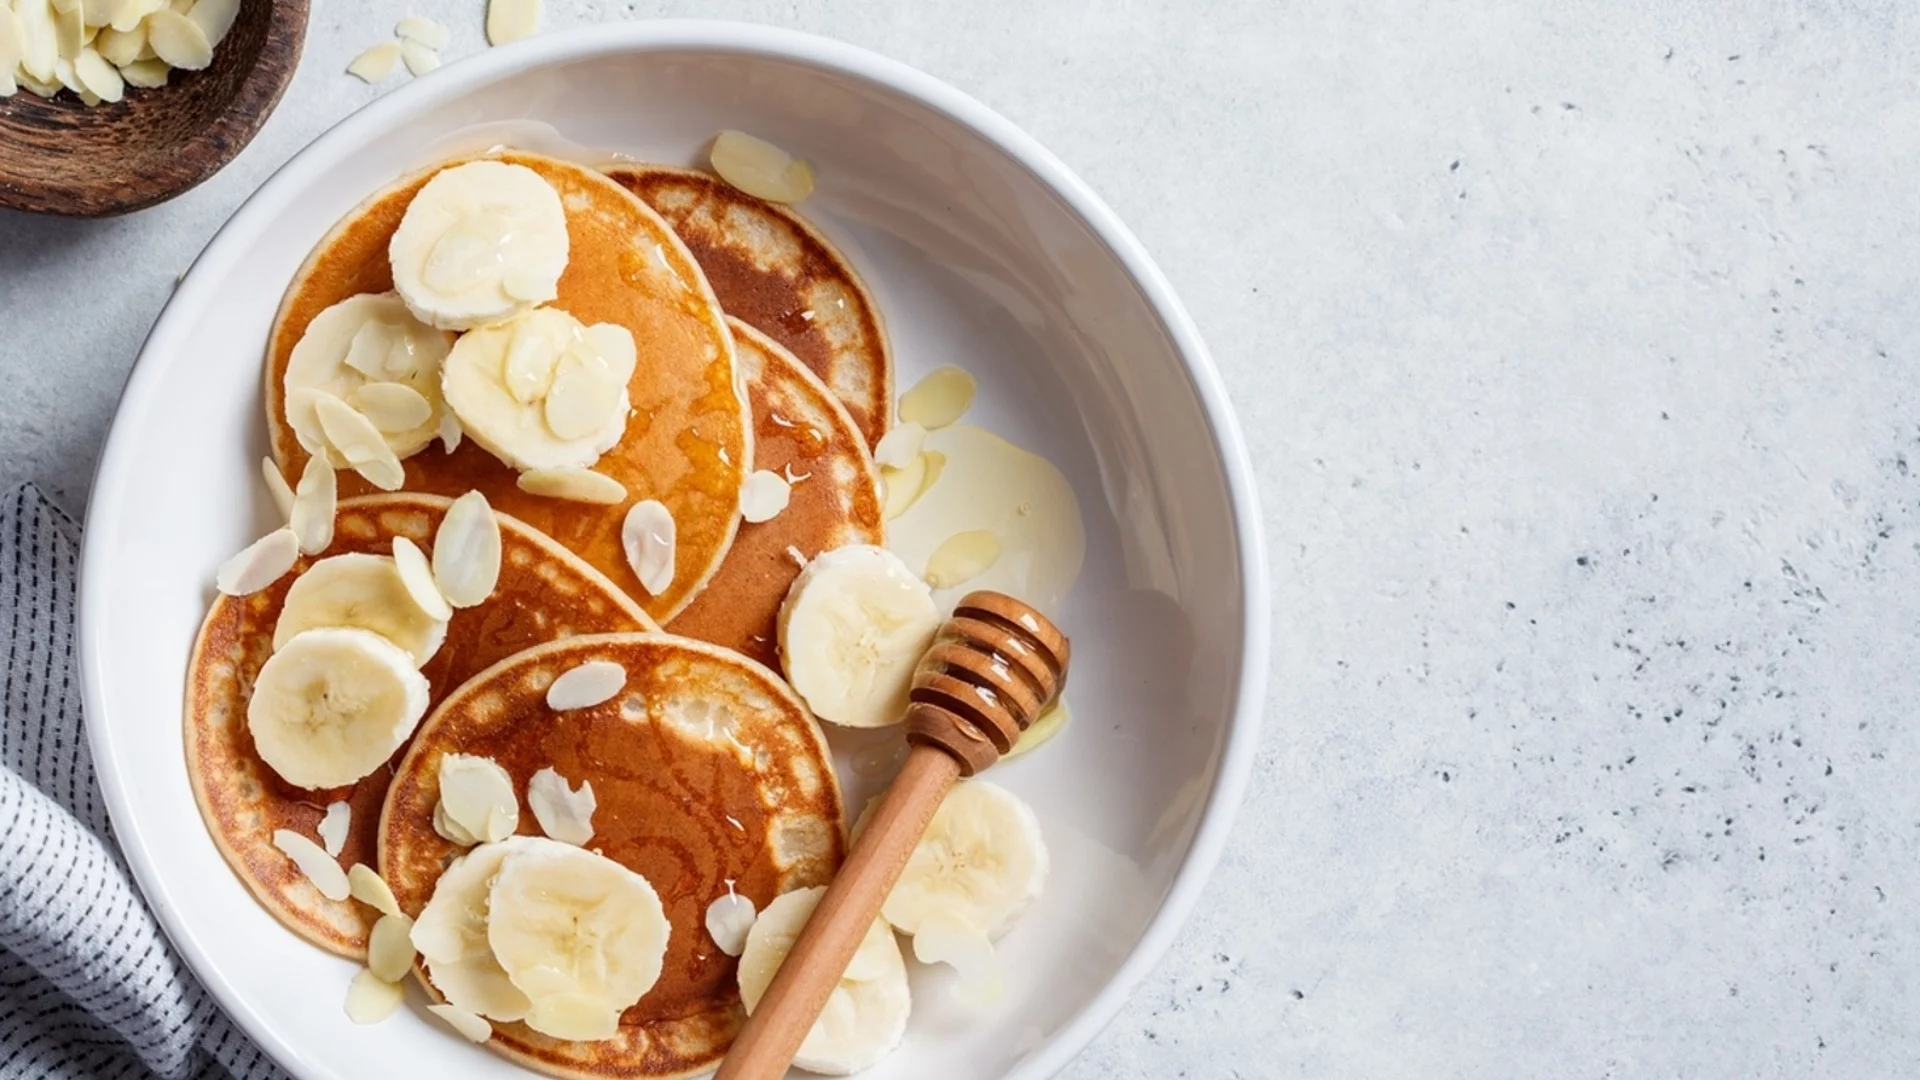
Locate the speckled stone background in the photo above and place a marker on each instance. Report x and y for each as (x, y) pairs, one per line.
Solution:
(1575, 345)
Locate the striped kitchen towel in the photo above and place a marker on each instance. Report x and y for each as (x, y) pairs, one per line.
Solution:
(89, 986)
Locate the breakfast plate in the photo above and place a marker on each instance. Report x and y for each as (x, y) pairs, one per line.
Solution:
(983, 253)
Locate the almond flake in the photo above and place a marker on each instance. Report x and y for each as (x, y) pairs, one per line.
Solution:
(69, 30)
(371, 999)
(178, 41)
(313, 861)
(214, 18)
(121, 47)
(450, 830)
(897, 448)
(417, 576)
(728, 920)
(511, 20)
(564, 814)
(583, 687)
(466, 551)
(419, 59)
(99, 76)
(357, 440)
(376, 63)
(760, 168)
(582, 399)
(450, 432)
(799, 557)
(763, 496)
(277, 487)
(333, 827)
(147, 74)
(577, 485)
(371, 889)
(311, 518)
(425, 31)
(264, 562)
(647, 535)
(471, 1026)
(392, 407)
(390, 948)
(478, 795)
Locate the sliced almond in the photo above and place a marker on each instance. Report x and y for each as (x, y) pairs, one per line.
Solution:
(121, 47)
(417, 575)
(39, 45)
(392, 407)
(333, 827)
(371, 999)
(64, 74)
(478, 795)
(581, 400)
(69, 30)
(177, 40)
(728, 920)
(564, 813)
(357, 440)
(277, 487)
(313, 861)
(376, 63)
(939, 399)
(390, 947)
(511, 20)
(262, 563)
(760, 168)
(583, 687)
(371, 889)
(99, 76)
(146, 74)
(311, 518)
(450, 830)
(12, 48)
(466, 551)
(472, 1026)
(425, 31)
(214, 18)
(763, 496)
(419, 59)
(647, 535)
(450, 431)
(962, 557)
(577, 485)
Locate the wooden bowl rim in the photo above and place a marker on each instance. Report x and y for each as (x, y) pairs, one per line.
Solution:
(222, 140)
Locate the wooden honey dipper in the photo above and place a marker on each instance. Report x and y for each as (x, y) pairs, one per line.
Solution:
(993, 668)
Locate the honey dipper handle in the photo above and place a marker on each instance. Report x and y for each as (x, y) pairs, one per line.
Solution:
(826, 945)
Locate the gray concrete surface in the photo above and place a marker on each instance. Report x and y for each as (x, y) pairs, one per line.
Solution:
(1575, 344)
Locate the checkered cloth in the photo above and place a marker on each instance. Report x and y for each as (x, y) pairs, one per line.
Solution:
(89, 986)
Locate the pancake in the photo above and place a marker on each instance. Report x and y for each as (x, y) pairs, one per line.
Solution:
(544, 592)
(776, 272)
(799, 430)
(706, 769)
(687, 441)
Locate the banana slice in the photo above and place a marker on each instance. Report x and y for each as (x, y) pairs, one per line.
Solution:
(364, 591)
(866, 1014)
(543, 390)
(852, 627)
(451, 934)
(580, 935)
(982, 862)
(331, 705)
(358, 344)
(480, 243)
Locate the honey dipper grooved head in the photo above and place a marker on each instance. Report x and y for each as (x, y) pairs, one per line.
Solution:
(993, 668)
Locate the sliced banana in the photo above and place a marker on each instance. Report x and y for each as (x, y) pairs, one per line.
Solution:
(451, 934)
(480, 243)
(543, 390)
(359, 343)
(364, 591)
(581, 935)
(982, 861)
(853, 626)
(331, 705)
(864, 1018)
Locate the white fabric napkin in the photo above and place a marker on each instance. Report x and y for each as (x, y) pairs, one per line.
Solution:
(89, 986)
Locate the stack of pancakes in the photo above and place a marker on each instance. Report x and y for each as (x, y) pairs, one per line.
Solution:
(759, 349)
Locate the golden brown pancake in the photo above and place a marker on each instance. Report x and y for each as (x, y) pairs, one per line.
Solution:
(545, 592)
(773, 270)
(687, 442)
(801, 431)
(705, 769)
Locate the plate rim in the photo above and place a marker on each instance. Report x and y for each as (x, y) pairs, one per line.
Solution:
(1235, 766)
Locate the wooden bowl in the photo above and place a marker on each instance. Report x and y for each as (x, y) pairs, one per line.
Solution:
(62, 157)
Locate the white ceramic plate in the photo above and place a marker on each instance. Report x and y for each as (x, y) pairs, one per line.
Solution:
(984, 251)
